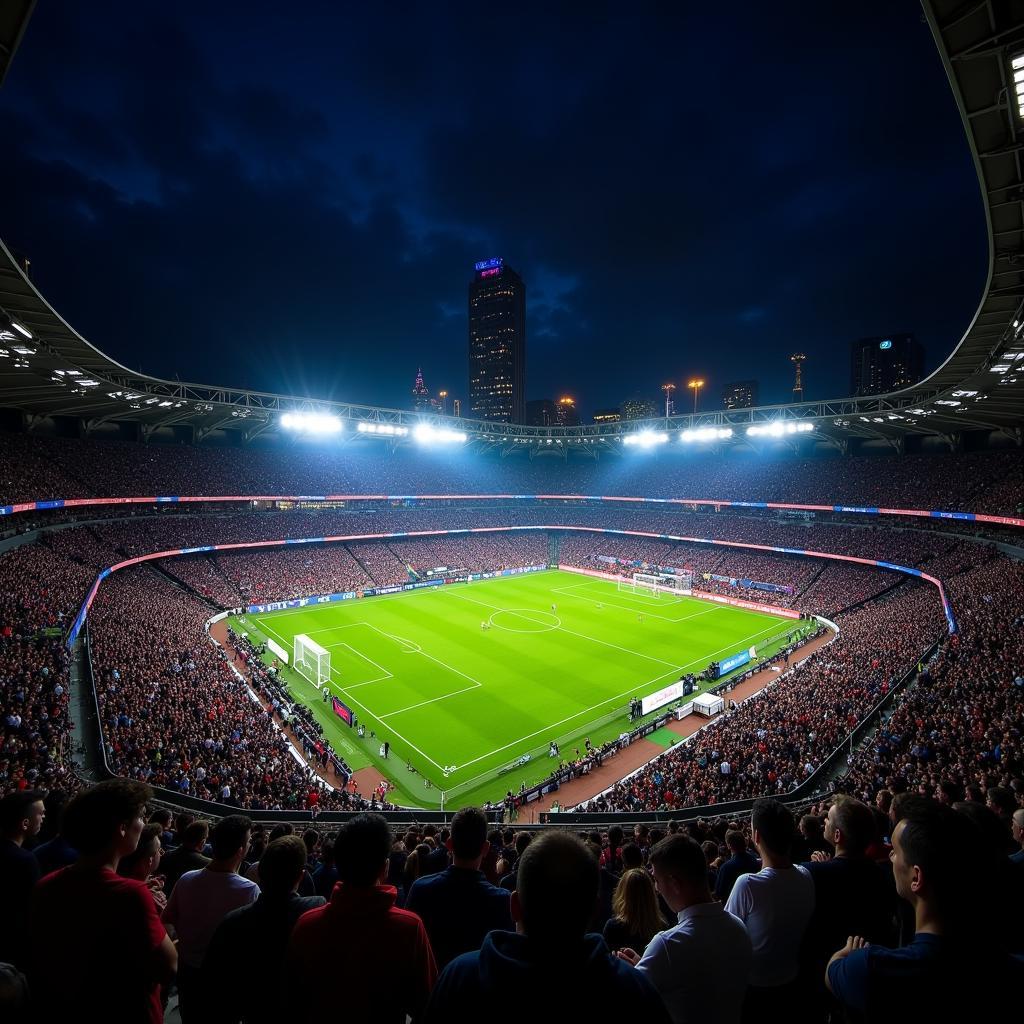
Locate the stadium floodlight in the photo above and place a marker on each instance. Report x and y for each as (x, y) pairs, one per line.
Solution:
(427, 434)
(646, 438)
(705, 434)
(8, 321)
(1017, 70)
(311, 422)
(779, 429)
(387, 429)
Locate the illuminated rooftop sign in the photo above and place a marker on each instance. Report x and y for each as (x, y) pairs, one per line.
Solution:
(885, 344)
(495, 263)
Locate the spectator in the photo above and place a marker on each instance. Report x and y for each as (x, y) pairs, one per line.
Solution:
(458, 906)
(699, 966)
(521, 841)
(258, 933)
(142, 863)
(21, 817)
(122, 954)
(200, 901)
(1018, 836)
(556, 890)
(775, 904)
(326, 875)
(337, 951)
(851, 894)
(636, 918)
(740, 862)
(56, 852)
(933, 977)
(188, 856)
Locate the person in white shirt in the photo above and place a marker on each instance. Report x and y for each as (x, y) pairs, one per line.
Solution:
(776, 904)
(201, 900)
(700, 966)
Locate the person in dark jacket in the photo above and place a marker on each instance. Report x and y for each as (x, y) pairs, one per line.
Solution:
(569, 973)
(852, 895)
(258, 933)
(458, 905)
(741, 862)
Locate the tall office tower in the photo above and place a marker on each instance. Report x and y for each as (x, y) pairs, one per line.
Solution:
(497, 343)
(741, 394)
(420, 394)
(886, 363)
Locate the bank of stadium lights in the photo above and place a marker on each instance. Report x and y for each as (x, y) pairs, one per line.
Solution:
(424, 433)
(1017, 68)
(779, 429)
(388, 429)
(705, 434)
(311, 423)
(646, 438)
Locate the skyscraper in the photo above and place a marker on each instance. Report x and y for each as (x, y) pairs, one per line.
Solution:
(497, 343)
(741, 394)
(420, 394)
(886, 363)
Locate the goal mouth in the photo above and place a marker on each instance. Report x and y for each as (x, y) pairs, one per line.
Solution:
(311, 661)
(657, 585)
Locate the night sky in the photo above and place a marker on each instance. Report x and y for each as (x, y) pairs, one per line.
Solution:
(293, 201)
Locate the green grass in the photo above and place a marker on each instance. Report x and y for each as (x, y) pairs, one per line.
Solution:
(461, 704)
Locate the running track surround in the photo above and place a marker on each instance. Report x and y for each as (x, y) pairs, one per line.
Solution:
(176, 552)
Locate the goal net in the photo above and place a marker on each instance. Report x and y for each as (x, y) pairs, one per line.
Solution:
(311, 660)
(641, 583)
(657, 584)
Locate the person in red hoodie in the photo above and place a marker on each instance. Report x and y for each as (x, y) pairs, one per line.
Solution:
(335, 950)
(121, 953)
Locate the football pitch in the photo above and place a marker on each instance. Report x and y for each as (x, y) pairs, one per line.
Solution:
(474, 709)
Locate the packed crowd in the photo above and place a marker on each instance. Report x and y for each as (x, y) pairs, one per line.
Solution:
(909, 907)
(43, 468)
(959, 729)
(772, 742)
(174, 712)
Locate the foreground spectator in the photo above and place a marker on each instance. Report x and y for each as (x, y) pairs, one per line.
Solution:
(119, 953)
(700, 966)
(851, 894)
(188, 856)
(142, 863)
(1017, 829)
(258, 933)
(953, 970)
(636, 918)
(458, 905)
(21, 817)
(572, 974)
(360, 955)
(741, 862)
(200, 901)
(775, 904)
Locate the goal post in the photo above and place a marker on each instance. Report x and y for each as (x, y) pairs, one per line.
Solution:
(656, 584)
(311, 660)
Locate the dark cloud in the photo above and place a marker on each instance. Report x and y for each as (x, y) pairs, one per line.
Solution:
(295, 202)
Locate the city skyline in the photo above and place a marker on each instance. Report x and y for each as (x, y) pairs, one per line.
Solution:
(310, 233)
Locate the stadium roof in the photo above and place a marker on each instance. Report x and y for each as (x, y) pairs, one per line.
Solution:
(48, 369)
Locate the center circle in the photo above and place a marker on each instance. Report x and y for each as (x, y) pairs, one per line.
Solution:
(526, 620)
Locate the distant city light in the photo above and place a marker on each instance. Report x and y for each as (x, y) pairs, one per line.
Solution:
(311, 422)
